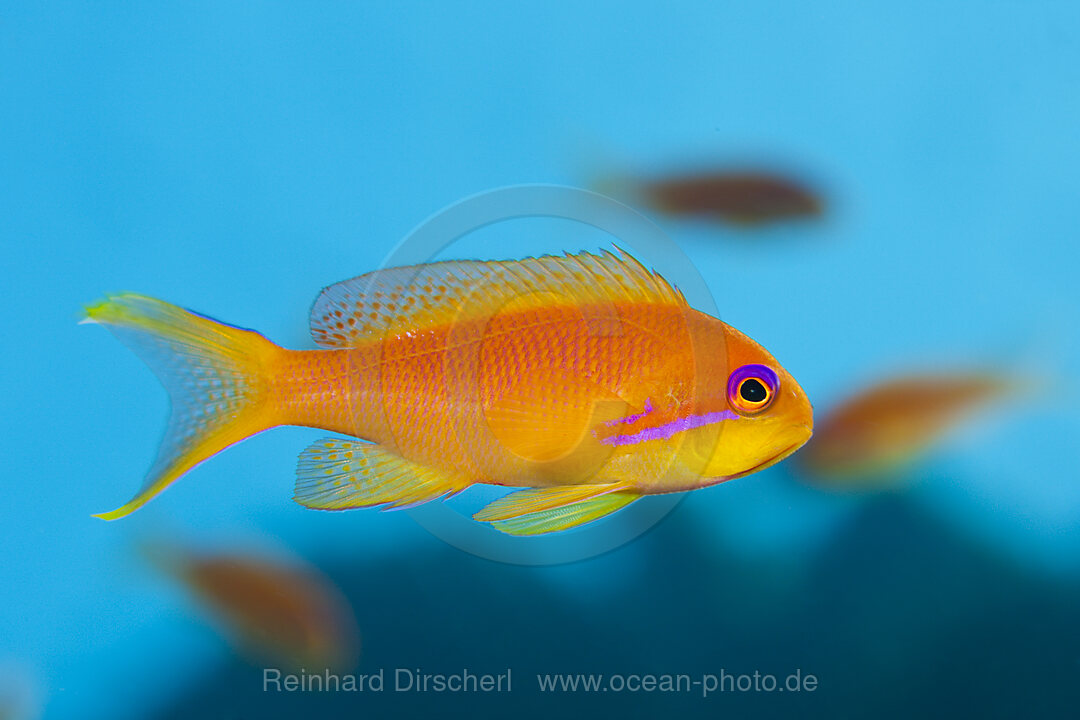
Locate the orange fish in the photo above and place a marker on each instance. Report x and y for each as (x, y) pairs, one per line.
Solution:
(275, 611)
(740, 197)
(892, 423)
(585, 378)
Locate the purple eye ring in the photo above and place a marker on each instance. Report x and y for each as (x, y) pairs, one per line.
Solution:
(751, 388)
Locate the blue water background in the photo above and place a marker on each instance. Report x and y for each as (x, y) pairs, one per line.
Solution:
(234, 158)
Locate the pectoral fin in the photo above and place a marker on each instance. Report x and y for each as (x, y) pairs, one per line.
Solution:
(543, 510)
(338, 474)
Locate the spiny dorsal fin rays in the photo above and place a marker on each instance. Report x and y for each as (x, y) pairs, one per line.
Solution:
(418, 297)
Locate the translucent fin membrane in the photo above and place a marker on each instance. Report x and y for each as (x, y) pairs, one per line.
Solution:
(337, 474)
(213, 373)
(543, 510)
(422, 296)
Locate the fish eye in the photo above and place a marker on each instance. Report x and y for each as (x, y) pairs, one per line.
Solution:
(752, 391)
(752, 388)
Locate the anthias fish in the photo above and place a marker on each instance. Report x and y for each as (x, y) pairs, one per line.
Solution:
(890, 424)
(739, 197)
(275, 611)
(586, 379)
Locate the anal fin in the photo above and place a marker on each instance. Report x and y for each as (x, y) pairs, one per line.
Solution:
(339, 474)
(542, 510)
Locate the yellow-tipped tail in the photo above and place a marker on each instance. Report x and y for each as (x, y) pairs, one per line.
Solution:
(216, 376)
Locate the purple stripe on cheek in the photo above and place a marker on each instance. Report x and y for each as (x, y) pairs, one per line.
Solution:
(631, 419)
(662, 432)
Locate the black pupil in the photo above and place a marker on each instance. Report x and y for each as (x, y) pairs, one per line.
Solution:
(753, 391)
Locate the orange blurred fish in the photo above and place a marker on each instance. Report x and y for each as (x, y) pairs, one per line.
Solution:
(890, 424)
(586, 378)
(275, 611)
(745, 197)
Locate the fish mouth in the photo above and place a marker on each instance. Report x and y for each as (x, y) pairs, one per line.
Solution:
(768, 463)
(780, 455)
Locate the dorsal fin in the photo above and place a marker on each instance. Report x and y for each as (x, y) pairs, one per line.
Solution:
(418, 297)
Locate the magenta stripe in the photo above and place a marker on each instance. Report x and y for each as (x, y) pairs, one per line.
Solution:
(631, 419)
(662, 432)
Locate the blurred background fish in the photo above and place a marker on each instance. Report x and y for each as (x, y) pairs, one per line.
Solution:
(739, 196)
(20, 695)
(877, 432)
(275, 611)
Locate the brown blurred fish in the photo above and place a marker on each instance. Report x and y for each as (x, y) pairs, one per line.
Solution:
(745, 197)
(20, 694)
(892, 423)
(274, 611)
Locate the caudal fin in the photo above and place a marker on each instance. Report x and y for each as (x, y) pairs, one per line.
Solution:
(216, 376)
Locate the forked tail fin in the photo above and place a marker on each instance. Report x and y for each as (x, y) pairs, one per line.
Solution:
(216, 375)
